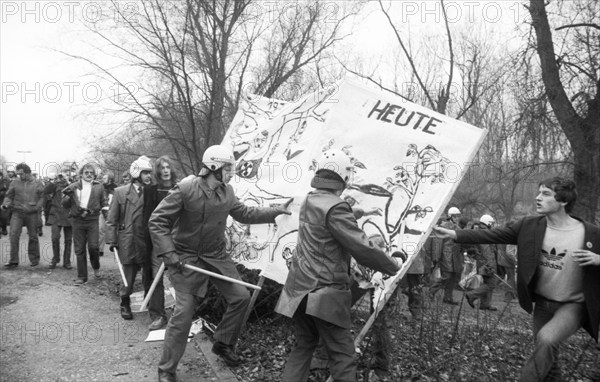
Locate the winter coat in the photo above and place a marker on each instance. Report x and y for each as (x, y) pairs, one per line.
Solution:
(452, 259)
(25, 196)
(528, 234)
(191, 221)
(126, 227)
(58, 214)
(328, 236)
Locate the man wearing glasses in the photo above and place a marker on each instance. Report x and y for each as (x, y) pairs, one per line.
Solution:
(85, 199)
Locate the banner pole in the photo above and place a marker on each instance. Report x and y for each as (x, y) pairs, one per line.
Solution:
(253, 299)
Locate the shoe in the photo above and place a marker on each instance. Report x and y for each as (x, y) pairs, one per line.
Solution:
(40, 232)
(470, 301)
(491, 308)
(126, 312)
(4, 232)
(67, 266)
(165, 376)
(157, 324)
(52, 266)
(100, 253)
(80, 282)
(11, 265)
(97, 273)
(450, 302)
(226, 353)
(34, 264)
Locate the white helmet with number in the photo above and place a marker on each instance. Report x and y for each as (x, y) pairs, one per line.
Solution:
(338, 162)
(217, 156)
(453, 211)
(487, 220)
(143, 163)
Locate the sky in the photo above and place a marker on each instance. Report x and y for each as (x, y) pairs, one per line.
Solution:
(50, 102)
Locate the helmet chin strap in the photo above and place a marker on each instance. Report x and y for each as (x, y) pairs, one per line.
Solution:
(218, 174)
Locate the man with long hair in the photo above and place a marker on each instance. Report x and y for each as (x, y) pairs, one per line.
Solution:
(166, 178)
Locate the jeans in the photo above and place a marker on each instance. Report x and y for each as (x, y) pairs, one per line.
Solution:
(85, 233)
(17, 221)
(553, 322)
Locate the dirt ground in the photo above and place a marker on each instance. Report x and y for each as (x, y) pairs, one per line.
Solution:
(52, 330)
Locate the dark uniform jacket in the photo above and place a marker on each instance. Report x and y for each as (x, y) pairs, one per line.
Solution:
(126, 226)
(452, 259)
(191, 221)
(528, 234)
(328, 236)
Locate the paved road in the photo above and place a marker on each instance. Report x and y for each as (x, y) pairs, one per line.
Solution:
(52, 330)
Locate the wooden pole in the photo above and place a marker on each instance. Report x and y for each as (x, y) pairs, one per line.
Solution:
(253, 299)
(221, 277)
(153, 286)
(120, 268)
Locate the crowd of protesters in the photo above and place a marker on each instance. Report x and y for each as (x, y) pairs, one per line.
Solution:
(549, 261)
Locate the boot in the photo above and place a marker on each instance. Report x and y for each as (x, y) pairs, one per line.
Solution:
(126, 309)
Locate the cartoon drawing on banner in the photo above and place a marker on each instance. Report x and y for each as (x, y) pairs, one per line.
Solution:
(404, 173)
(400, 191)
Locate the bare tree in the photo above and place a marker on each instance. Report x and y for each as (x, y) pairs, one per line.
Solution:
(197, 57)
(575, 70)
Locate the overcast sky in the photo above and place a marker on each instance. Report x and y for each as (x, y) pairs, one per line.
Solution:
(49, 101)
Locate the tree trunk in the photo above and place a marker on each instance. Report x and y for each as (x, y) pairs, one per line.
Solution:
(583, 133)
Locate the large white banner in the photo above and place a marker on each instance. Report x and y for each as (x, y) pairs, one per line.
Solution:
(408, 160)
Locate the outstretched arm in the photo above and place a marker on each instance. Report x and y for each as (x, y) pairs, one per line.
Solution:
(444, 233)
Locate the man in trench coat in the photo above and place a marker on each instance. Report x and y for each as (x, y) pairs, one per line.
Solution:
(126, 227)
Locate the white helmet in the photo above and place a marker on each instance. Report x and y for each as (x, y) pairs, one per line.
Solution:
(487, 220)
(143, 163)
(338, 162)
(217, 156)
(453, 211)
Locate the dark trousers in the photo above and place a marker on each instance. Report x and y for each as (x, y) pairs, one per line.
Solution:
(414, 283)
(85, 233)
(179, 325)
(448, 282)
(338, 341)
(156, 305)
(68, 230)
(17, 221)
(4, 218)
(130, 271)
(485, 291)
